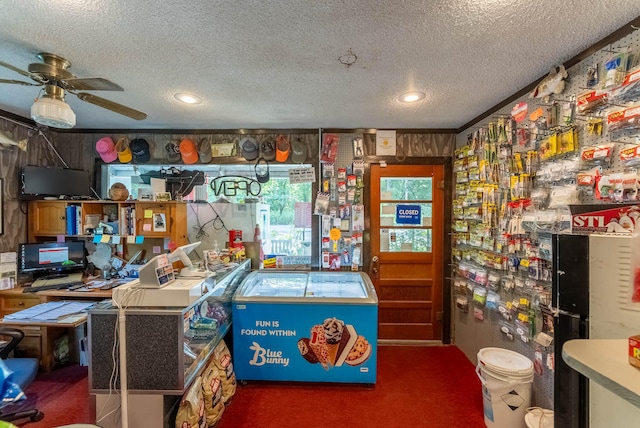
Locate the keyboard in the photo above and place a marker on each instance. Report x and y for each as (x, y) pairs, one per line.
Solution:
(59, 286)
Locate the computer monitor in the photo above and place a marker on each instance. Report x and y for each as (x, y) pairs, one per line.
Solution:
(51, 259)
(39, 181)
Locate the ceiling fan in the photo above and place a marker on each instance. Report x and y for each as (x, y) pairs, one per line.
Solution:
(51, 109)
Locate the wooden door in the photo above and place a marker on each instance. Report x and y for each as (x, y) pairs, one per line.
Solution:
(407, 242)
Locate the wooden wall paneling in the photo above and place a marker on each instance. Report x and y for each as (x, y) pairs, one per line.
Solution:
(416, 144)
(158, 141)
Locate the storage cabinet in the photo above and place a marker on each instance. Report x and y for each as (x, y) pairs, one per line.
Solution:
(166, 349)
(48, 220)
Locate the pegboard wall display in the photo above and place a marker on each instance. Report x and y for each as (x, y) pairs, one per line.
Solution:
(575, 139)
(339, 201)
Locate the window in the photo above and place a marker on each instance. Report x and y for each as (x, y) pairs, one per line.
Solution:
(230, 198)
(414, 194)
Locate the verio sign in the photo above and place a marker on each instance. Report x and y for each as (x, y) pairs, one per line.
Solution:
(408, 214)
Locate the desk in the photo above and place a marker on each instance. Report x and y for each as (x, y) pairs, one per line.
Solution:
(40, 337)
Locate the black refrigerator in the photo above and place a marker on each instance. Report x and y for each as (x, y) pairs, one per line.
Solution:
(571, 298)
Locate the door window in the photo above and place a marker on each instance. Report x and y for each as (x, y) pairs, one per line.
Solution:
(406, 214)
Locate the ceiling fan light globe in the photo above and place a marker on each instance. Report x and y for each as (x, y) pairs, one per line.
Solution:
(53, 113)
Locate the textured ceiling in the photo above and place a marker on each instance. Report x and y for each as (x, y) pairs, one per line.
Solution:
(275, 64)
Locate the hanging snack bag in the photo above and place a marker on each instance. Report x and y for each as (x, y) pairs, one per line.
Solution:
(191, 413)
(212, 392)
(222, 360)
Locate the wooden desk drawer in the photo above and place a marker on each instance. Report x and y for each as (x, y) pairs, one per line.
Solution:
(9, 304)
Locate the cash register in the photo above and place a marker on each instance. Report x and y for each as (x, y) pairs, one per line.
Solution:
(158, 284)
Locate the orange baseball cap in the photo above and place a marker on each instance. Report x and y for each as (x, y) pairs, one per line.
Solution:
(282, 148)
(188, 151)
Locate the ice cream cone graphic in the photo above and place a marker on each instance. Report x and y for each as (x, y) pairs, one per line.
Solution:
(318, 342)
(333, 352)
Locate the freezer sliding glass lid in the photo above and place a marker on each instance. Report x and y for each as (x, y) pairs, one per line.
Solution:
(336, 284)
(274, 284)
(345, 287)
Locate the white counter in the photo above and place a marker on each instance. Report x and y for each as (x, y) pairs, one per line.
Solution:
(605, 362)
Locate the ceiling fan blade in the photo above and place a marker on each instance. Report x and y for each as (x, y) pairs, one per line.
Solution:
(19, 82)
(113, 106)
(16, 69)
(91, 84)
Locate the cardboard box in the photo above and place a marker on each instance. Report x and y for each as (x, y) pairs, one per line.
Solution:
(634, 350)
(273, 261)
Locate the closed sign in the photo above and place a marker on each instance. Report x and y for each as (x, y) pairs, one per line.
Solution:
(408, 214)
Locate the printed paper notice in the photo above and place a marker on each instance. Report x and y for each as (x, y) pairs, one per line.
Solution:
(302, 175)
(386, 143)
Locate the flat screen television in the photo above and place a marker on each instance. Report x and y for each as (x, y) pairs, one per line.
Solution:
(52, 259)
(41, 181)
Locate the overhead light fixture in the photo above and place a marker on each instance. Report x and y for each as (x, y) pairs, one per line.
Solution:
(411, 97)
(53, 112)
(187, 98)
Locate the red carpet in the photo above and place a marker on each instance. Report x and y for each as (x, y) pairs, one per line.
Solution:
(433, 387)
(62, 395)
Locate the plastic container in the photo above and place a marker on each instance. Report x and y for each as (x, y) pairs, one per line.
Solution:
(537, 417)
(506, 378)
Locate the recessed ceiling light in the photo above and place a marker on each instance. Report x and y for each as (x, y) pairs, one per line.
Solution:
(187, 98)
(411, 97)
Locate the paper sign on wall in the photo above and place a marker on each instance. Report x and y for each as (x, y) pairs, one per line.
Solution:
(302, 175)
(385, 143)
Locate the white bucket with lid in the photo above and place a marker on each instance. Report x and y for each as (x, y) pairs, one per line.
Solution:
(506, 378)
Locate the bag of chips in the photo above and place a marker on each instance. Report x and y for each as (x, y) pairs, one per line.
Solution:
(191, 413)
(222, 360)
(212, 391)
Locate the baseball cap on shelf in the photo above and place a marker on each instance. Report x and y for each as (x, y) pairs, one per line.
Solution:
(249, 148)
(282, 148)
(106, 149)
(261, 169)
(268, 148)
(140, 150)
(124, 152)
(188, 151)
(172, 151)
(204, 150)
(298, 151)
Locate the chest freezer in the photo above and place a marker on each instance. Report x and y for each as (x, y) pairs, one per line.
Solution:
(305, 326)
